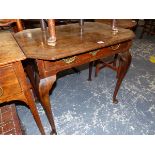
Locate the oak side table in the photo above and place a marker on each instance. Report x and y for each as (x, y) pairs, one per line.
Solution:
(13, 81)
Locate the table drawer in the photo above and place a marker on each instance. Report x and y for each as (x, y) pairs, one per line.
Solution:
(58, 65)
(9, 84)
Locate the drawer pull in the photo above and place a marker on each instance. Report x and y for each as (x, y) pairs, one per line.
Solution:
(115, 47)
(1, 91)
(93, 53)
(69, 60)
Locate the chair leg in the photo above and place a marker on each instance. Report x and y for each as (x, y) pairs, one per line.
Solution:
(143, 31)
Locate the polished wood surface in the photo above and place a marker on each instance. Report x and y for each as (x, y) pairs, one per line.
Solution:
(123, 23)
(53, 67)
(9, 49)
(13, 82)
(75, 46)
(71, 40)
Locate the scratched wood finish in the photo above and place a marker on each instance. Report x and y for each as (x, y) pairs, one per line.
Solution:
(9, 49)
(71, 40)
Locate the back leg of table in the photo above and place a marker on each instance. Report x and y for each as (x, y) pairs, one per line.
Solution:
(90, 70)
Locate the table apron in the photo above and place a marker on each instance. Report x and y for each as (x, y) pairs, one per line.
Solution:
(53, 67)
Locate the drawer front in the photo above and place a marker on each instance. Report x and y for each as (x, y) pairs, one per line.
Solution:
(9, 85)
(55, 66)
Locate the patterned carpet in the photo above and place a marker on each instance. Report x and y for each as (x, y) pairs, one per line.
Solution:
(81, 107)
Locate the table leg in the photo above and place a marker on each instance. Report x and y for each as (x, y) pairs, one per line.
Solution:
(30, 102)
(90, 70)
(115, 59)
(28, 97)
(44, 87)
(124, 63)
(76, 70)
(97, 68)
(31, 74)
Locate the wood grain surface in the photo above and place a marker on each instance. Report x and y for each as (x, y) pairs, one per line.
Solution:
(9, 49)
(71, 40)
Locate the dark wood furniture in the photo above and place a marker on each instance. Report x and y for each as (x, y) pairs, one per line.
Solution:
(148, 27)
(74, 46)
(114, 62)
(14, 24)
(13, 82)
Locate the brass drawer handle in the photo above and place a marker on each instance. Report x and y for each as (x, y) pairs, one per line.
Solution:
(1, 91)
(93, 53)
(115, 47)
(69, 60)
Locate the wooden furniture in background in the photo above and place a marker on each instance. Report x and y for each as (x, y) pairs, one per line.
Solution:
(123, 23)
(13, 82)
(9, 23)
(148, 27)
(75, 46)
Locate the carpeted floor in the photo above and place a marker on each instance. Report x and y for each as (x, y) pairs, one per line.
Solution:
(85, 108)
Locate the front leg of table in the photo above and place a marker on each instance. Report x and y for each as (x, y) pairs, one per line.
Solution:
(28, 98)
(124, 64)
(34, 112)
(44, 86)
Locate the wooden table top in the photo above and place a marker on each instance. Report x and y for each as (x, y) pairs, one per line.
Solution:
(9, 49)
(70, 40)
(123, 23)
